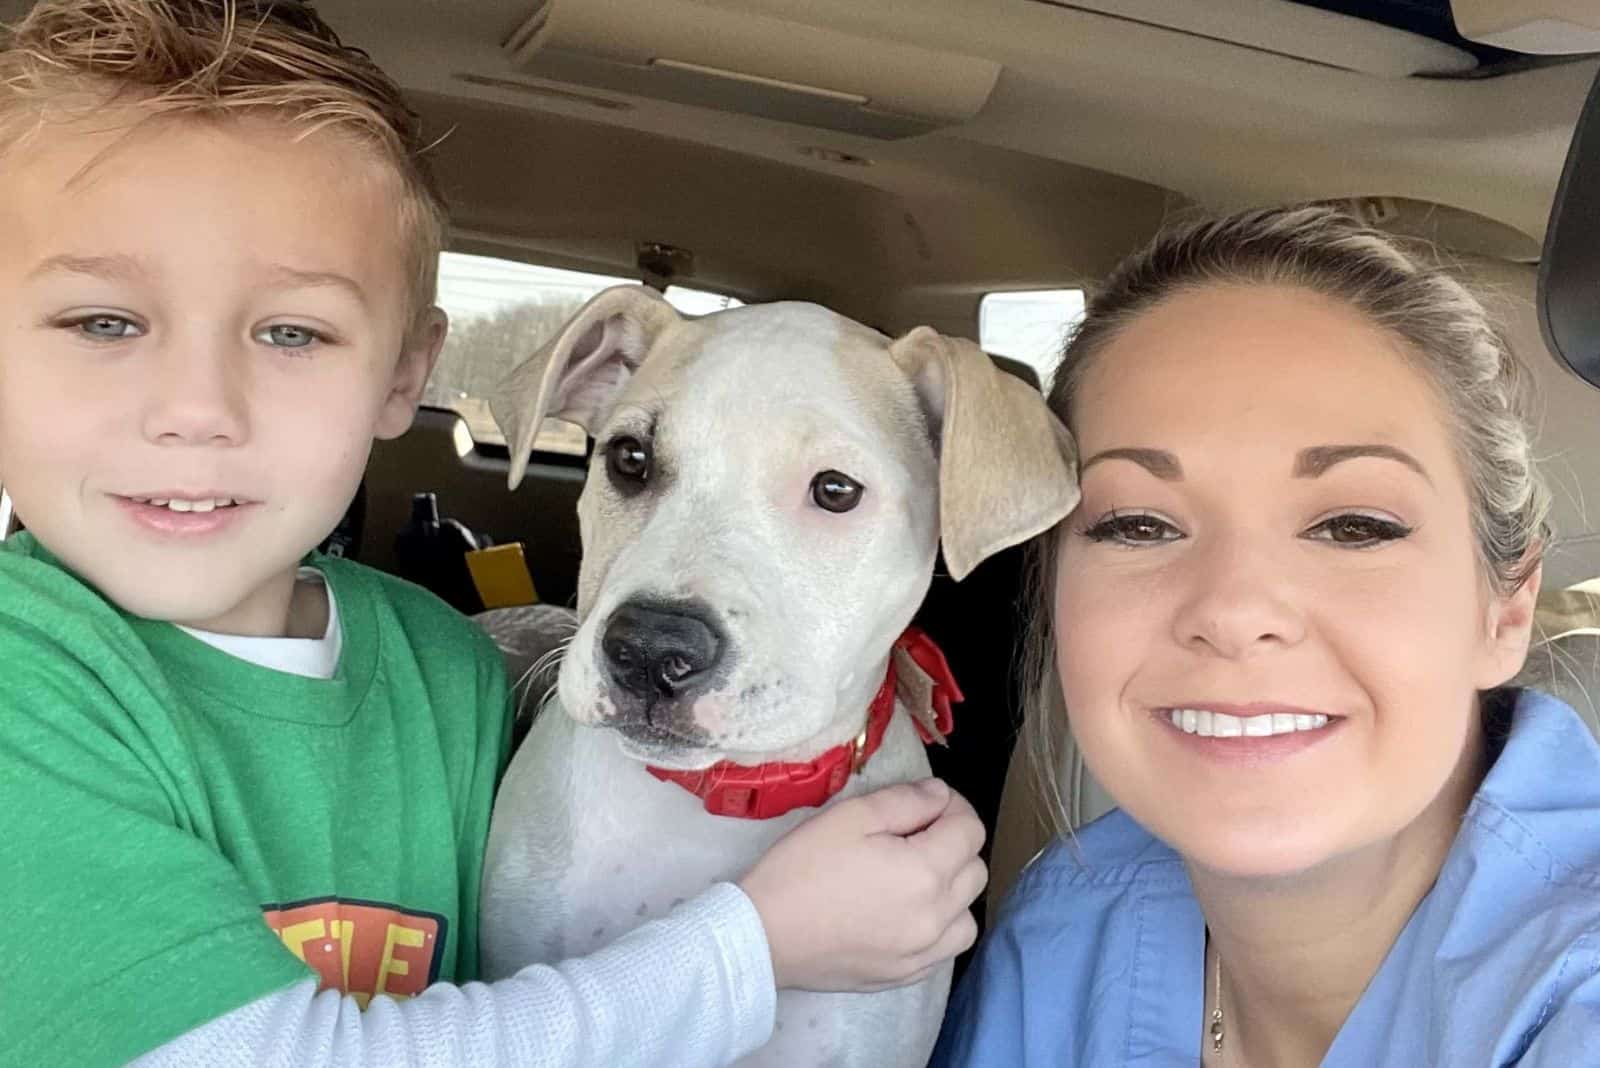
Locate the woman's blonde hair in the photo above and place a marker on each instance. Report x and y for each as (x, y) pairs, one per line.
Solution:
(1444, 328)
(212, 58)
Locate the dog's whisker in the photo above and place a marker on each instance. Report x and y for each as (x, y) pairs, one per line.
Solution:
(546, 661)
(527, 675)
(523, 703)
(548, 695)
(544, 699)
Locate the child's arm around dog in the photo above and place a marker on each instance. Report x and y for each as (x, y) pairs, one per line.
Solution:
(694, 988)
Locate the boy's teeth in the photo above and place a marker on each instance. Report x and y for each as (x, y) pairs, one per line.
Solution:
(1221, 725)
(208, 505)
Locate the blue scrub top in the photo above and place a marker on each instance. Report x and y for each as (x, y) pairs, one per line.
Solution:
(1097, 956)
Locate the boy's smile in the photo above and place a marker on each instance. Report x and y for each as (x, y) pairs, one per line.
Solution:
(169, 513)
(201, 331)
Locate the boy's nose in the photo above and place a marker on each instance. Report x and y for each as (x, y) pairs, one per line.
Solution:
(197, 397)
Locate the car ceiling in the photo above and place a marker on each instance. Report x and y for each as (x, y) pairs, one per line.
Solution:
(1215, 107)
(1056, 136)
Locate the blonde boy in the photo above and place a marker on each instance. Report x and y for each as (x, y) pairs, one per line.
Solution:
(216, 290)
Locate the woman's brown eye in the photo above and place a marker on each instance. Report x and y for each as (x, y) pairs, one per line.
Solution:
(1350, 530)
(1142, 529)
(628, 460)
(1359, 530)
(835, 491)
(1132, 529)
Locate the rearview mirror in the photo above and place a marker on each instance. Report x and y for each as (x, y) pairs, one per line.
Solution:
(1569, 268)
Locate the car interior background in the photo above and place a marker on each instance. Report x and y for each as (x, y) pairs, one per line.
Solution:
(967, 164)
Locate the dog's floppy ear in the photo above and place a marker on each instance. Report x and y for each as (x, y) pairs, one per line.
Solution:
(1008, 469)
(578, 373)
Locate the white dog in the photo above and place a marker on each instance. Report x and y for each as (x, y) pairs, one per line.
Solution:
(767, 495)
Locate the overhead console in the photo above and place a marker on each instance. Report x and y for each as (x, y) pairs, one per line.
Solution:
(711, 56)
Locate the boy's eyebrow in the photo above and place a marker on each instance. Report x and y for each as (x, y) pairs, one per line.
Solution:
(123, 268)
(294, 277)
(118, 268)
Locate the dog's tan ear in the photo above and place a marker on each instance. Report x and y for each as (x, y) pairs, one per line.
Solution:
(577, 374)
(1008, 469)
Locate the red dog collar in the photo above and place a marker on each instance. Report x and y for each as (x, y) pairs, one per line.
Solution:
(762, 791)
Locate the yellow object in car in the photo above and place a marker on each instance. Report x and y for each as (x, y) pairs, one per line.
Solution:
(501, 575)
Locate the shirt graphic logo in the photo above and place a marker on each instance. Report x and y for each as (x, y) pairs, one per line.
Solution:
(362, 948)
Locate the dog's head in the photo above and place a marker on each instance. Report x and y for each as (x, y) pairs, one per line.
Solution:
(767, 495)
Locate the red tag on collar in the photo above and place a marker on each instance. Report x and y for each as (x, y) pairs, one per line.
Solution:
(762, 791)
(930, 658)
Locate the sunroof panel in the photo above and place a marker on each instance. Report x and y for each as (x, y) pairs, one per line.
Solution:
(1427, 18)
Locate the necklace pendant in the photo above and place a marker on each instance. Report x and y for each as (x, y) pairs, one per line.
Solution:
(1216, 1031)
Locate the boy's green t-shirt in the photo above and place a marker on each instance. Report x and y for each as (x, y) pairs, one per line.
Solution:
(185, 832)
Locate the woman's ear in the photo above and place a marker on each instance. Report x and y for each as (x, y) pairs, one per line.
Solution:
(1510, 630)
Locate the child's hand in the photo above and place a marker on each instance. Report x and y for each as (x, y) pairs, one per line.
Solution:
(873, 892)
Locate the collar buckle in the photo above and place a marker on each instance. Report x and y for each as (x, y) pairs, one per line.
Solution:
(859, 754)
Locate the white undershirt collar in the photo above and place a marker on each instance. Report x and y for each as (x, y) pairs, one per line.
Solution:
(313, 658)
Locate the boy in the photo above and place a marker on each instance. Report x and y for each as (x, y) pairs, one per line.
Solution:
(215, 291)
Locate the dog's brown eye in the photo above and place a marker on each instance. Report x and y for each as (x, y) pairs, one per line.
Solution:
(628, 460)
(835, 492)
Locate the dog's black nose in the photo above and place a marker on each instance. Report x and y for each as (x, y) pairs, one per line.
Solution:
(663, 649)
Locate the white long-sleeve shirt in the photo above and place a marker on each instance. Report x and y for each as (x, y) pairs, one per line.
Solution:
(692, 989)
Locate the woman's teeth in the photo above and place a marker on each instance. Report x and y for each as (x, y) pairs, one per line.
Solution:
(208, 505)
(1221, 725)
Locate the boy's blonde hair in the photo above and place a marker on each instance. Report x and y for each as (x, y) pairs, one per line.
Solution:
(213, 58)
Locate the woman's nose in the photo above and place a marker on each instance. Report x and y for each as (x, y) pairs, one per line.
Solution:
(1239, 600)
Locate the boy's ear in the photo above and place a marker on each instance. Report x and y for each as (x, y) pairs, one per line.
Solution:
(411, 371)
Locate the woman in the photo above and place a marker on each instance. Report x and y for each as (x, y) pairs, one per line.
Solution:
(1304, 565)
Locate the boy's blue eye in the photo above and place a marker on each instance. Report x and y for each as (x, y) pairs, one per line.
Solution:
(106, 327)
(288, 336)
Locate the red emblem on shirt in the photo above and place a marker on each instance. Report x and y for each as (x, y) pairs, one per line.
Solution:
(362, 948)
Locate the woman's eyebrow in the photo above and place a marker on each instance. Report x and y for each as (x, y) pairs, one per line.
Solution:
(1312, 462)
(1160, 463)
(1309, 463)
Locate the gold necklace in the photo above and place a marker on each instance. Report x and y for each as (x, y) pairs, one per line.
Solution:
(1215, 1029)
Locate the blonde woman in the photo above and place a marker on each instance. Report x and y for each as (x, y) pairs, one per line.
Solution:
(1279, 623)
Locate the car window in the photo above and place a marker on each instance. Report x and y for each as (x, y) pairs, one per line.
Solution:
(698, 301)
(500, 312)
(1031, 326)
